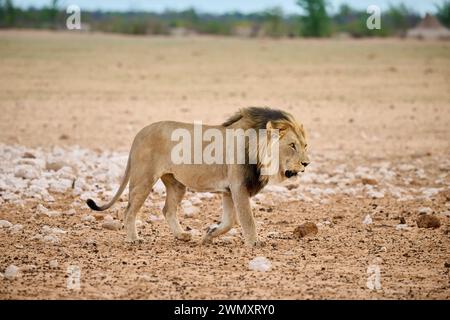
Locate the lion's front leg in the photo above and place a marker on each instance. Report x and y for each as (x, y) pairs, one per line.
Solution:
(241, 200)
(227, 222)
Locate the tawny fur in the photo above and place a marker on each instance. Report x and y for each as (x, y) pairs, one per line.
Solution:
(150, 159)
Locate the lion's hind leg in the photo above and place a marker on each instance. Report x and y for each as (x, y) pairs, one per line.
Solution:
(174, 194)
(140, 188)
(228, 220)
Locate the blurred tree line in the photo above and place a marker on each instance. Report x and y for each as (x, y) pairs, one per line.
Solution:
(316, 20)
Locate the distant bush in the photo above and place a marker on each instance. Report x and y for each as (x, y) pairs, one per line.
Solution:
(443, 13)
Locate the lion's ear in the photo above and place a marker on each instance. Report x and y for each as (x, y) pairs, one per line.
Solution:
(273, 128)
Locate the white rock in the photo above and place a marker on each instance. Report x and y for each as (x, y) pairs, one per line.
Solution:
(51, 238)
(424, 210)
(5, 224)
(37, 237)
(112, 225)
(16, 228)
(402, 227)
(190, 211)
(261, 264)
(367, 220)
(154, 218)
(70, 212)
(87, 218)
(11, 272)
(195, 232)
(26, 172)
(41, 209)
(195, 200)
(49, 230)
(108, 218)
(233, 232)
(53, 264)
(159, 187)
(61, 185)
(205, 195)
(375, 194)
(430, 192)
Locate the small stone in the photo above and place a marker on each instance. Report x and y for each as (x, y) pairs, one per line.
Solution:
(71, 212)
(64, 137)
(16, 228)
(261, 264)
(370, 181)
(53, 264)
(401, 227)
(99, 216)
(28, 155)
(54, 165)
(5, 224)
(11, 272)
(425, 210)
(112, 225)
(51, 238)
(428, 221)
(87, 218)
(306, 229)
(154, 218)
(367, 220)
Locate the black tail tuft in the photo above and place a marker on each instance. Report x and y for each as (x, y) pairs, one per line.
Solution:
(91, 203)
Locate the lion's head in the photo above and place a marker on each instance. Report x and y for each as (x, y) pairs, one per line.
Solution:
(293, 157)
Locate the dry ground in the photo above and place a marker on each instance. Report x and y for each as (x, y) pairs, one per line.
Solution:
(363, 102)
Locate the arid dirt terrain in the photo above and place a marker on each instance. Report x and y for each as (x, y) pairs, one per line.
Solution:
(377, 114)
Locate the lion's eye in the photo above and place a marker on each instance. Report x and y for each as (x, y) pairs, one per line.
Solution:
(293, 146)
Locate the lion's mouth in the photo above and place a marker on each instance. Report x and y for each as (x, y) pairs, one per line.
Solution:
(290, 173)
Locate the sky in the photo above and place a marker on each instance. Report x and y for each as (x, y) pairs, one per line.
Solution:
(221, 6)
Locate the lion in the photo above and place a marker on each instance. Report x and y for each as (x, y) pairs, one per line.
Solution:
(150, 159)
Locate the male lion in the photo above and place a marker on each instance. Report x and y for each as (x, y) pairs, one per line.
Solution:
(150, 159)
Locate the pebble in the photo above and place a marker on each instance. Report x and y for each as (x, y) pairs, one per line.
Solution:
(306, 229)
(112, 225)
(5, 224)
(51, 238)
(401, 227)
(370, 181)
(53, 264)
(16, 228)
(367, 220)
(11, 272)
(261, 264)
(87, 218)
(428, 221)
(424, 210)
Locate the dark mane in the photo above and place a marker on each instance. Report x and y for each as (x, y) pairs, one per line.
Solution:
(257, 118)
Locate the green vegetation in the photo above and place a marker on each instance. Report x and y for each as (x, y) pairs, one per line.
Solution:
(443, 13)
(315, 20)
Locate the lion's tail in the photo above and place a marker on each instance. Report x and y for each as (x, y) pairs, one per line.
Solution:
(91, 203)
